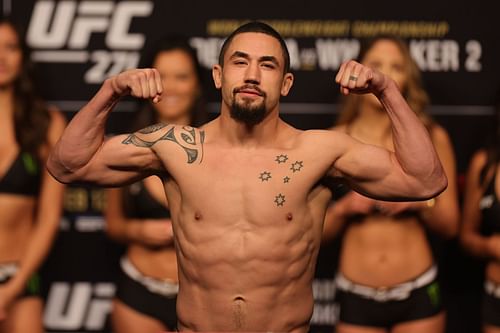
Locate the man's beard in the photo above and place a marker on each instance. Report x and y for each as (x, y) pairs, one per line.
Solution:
(246, 113)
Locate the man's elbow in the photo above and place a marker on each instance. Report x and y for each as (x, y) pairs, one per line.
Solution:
(438, 184)
(433, 183)
(428, 187)
(59, 172)
(433, 188)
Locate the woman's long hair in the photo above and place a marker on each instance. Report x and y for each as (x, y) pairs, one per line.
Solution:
(493, 147)
(414, 93)
(31, 116)
(147, 115)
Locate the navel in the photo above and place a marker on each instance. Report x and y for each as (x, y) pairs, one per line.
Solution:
(238, 299)
(239, 312)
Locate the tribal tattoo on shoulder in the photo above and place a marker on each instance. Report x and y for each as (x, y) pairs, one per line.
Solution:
(152, 128)
(188, 138)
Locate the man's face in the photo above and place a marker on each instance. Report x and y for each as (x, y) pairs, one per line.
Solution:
(252, 79)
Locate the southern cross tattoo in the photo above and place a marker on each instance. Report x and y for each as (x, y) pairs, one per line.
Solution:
(265, 176)
(296, 166)
(281, 158)
(286, 179)
(279, 199)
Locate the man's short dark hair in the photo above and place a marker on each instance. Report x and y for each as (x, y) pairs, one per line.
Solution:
(260, 27)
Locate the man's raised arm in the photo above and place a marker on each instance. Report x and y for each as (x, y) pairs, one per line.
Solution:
(413, 171)
(83, 155)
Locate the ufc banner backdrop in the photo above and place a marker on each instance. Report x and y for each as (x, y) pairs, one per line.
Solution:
(78, 44)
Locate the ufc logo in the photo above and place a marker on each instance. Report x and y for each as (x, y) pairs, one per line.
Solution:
(81, 306)
(59, 24)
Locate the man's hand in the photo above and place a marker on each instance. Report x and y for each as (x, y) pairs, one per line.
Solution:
(354, 77)
(140, 83)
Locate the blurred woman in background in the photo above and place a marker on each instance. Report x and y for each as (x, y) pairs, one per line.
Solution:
(30, 199)
(138, 215)
(387, 280)
(480, 234)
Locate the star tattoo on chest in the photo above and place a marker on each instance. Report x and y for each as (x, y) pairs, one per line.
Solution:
(281, 158)
(296, 166)
(279, 199)
(265, 176)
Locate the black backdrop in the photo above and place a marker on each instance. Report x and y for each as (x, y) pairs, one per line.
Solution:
(76, 44)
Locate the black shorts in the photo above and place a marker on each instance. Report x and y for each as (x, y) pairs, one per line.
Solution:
(423, 302)
(33, 285)
(138, 297)
(490, 309)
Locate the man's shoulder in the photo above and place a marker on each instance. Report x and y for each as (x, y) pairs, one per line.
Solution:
(326, 136)
(158, 130)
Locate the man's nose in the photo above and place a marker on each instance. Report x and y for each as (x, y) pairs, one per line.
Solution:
(252, 74)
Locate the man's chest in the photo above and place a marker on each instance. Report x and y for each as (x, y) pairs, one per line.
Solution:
(265, 179)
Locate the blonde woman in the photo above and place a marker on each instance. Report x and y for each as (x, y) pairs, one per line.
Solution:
(387, 280)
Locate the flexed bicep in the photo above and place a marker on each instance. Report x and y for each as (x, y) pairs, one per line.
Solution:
(127, 158)
(118, 163)
(361, 164)
(78, 154)
(375, 172)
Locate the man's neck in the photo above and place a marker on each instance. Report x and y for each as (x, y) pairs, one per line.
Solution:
(236, 132)
(184, 119)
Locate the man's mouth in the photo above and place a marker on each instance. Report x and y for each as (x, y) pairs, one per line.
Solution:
(249, 91)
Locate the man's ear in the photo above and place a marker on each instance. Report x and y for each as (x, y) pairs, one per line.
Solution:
(217, 75)
(287, 84)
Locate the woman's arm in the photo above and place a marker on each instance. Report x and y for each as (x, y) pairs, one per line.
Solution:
(146, 232)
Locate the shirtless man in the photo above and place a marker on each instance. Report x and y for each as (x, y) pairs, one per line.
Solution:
(245, 190)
